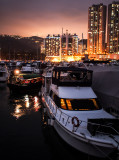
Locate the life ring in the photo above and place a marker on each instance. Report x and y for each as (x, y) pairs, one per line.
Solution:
(75, 121)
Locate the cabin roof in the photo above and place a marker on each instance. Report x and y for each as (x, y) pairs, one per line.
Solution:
(74, 92)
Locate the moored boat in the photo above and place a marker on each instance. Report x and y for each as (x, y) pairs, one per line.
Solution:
(3, 72)
(24, 83)
(76, 114)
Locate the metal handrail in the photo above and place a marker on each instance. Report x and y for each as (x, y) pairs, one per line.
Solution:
(101, 125)
(58, 109)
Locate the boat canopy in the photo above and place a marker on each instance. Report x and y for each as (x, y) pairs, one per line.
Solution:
(72, 76)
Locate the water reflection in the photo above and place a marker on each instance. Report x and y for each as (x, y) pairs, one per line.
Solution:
(18, 112)
(25, 105)
(27, 101)
(36, 104)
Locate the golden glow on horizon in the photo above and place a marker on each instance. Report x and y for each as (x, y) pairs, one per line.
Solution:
(71, 58)
(43, 31)
(56, 60)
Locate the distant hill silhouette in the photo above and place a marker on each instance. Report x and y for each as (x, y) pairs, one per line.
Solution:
(22, 48)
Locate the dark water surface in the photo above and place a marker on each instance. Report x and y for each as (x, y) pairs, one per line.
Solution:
(24, 133)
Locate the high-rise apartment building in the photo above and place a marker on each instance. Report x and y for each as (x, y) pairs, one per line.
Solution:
(82, 46)
(69, 44)
(113, 28)
(52, 45)
(64, 45)
(75, 44)
(96, 29)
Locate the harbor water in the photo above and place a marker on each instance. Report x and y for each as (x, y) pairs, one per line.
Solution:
(24, 132)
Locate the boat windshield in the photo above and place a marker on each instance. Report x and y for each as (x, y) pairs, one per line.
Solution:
(75, 104)
(78, 104)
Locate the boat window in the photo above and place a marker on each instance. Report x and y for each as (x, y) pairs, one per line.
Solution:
(75, 76)
(53, 74)
(80, 104)
(56, 100)
(69, 104)
(59, 102)
(57, 75)
(65, 76)
(63, 104)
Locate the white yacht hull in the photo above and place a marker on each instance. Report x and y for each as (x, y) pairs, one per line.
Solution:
(82, 144)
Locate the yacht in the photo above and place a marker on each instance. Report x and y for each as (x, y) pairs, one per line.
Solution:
(75, 113)
(27, 68)
(3, 72)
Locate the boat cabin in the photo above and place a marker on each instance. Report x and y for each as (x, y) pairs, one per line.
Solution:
(72, 76)
(75, 101)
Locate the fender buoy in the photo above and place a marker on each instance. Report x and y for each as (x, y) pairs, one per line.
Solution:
(75, 121)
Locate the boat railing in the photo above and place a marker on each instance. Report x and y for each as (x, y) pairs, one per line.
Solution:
(102, 129)
(66, 121)
(62, 117)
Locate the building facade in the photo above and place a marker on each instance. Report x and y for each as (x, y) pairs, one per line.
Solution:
(52, 45)
(82, 46)
(69, 44)
(64, 45)
(96, 29)
(113, 28)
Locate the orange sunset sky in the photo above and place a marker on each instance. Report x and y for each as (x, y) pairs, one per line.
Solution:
(43, 17)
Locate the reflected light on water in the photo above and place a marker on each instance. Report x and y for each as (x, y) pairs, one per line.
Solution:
(18, 112)
(26, 105)
(36, 104)
(27, 101)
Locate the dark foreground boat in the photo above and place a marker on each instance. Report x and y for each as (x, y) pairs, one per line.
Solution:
(25, 83)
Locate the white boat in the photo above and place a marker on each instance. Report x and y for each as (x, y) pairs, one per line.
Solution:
(37, 67)
(75, 113)
(34, 67)
(3, 72)
(27, 68)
